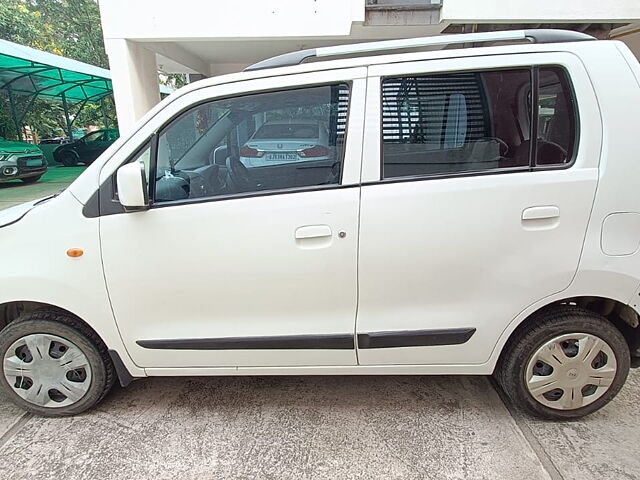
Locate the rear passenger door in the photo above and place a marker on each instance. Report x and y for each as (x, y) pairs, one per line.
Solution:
(465, 221)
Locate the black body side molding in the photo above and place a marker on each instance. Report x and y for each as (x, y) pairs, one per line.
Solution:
(415, 338)
(284, 342)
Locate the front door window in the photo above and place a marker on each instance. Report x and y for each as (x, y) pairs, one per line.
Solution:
(245, 145)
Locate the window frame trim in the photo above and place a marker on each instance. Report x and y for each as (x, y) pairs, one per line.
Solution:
(532, 167)
(576, 116)
(446, 176)
(534, 116)
(246, 195)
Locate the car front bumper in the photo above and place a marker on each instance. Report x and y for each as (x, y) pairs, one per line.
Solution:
(22, 166)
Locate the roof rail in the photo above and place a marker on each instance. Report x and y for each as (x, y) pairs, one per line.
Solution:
(534, 36)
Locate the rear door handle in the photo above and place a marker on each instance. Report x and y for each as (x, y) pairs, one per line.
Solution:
(541, 213)
(313, 231)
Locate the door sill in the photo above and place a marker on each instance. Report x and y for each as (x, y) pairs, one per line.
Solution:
(477, 369)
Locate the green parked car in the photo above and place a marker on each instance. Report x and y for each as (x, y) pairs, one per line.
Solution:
(21, 160)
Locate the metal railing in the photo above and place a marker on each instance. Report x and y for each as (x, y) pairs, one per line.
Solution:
(534, 35)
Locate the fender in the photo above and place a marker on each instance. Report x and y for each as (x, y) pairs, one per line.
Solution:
(578, 288)
(44, 273)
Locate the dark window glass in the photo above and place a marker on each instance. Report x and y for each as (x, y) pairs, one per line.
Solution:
(453, 123)
(112, 135)
(268, 141)
(94, 137)
(287, 130)
(556, 118)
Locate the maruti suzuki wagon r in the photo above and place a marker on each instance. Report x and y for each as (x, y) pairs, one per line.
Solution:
(468, 211)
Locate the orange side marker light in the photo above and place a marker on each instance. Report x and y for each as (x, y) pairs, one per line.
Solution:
(75, 252)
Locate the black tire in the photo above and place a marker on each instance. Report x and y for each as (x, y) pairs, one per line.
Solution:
(63, 325)
(68, 158)
(543, 327)
(31, 179)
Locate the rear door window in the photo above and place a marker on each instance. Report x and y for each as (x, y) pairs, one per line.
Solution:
(474, 122)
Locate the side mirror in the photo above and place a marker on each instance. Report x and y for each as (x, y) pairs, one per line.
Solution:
(132, 187)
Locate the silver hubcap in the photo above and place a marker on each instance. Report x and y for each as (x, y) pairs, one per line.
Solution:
(47, 370)
(571, 371)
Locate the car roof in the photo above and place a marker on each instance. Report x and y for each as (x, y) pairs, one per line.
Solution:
(378, 59)
(101, 130)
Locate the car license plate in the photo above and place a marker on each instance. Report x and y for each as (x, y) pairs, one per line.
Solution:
(33, 162)
(282, 156)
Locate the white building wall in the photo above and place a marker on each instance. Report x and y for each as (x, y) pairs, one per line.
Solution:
(202, 19)
(542, 11)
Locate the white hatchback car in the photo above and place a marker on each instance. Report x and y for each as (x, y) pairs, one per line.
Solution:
(476, 213)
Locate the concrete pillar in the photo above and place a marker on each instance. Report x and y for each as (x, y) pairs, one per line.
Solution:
(135, 80)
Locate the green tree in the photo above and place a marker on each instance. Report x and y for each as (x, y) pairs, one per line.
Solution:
(73, 27)
(18, 23)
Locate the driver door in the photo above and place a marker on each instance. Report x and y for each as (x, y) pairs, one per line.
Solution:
(235, 265)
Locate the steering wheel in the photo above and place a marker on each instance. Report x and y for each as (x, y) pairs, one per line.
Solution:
(239, 175)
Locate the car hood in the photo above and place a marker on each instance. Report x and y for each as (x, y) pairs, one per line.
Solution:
(13, 214)
(18, 147)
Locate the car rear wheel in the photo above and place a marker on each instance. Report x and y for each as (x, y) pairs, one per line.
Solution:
(53, 365)
(68, 159)
(31, 179)
(565, 363)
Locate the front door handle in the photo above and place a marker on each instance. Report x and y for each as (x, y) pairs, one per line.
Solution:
(313, 231)
(541, 213)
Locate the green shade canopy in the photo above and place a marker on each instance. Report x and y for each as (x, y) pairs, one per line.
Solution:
(27, 71)
(37, 74)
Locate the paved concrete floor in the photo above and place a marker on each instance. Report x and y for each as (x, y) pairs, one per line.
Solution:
(15, 192)
(319, 427)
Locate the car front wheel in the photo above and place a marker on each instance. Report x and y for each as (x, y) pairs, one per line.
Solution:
(53, 365)
(68, 159)
(565, 363)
